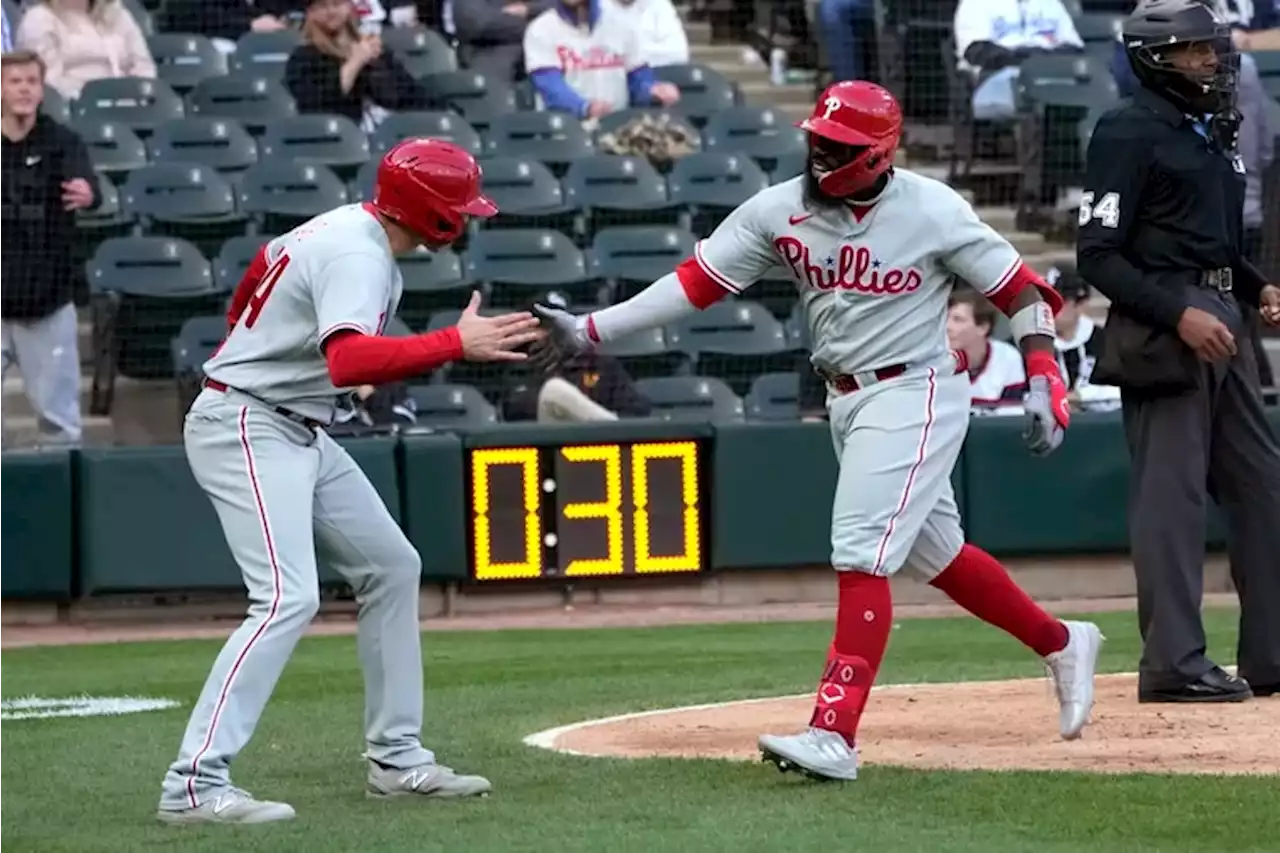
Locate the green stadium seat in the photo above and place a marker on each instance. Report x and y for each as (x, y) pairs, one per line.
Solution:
(449, 406)
(188, 200)
(774, 397)
(520, 263)
(435, 125)
(55, 106)
(557, 139)
(234, 257)
(1065, 80)
(421, 51)
(735, 341)
(184, 59)
(788, 166)
(265, 53)
(691, 398)
(528, 195)
(150, 266)
(703, 91)
(615, 190)
(645, 354)
(333, 141)
(284, 193)
(433, 281)
(471, 95)
(710, 185)
(762, 133)
(361, 187)
(136, 102)
(218, 142)
(631, 257)
(106, 220)
(195, 342)
(1098, 28)
(251, 99)
(1267, 62)
(114, 149)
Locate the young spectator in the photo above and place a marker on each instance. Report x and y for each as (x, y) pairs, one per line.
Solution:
(583, 59)
(659, 29)
(994, 36)
(83, 40)
(491, 34)
(1079, 341)
(224, 21)
(996, 371)
(846, 25)
(341, 72)
(45, 177)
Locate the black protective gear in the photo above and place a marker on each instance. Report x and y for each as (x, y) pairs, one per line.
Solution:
(1157, 26)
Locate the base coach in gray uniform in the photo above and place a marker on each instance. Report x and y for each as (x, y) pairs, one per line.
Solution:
(1161, 235)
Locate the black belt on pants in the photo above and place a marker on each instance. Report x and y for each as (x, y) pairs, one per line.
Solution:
(222, 388)
(844, 383)
(1219, 280)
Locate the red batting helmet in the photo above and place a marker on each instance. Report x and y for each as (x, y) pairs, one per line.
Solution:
(429, 186)
(861, 114)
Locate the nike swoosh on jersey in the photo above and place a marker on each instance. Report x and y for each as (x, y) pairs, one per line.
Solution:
(796, 220)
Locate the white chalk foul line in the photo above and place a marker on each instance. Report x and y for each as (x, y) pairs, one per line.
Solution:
(40, 707)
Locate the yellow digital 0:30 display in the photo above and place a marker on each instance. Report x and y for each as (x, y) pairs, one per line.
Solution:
(586, 510)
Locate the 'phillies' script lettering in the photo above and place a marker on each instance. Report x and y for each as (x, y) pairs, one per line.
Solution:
(848, 268)
(596, 57)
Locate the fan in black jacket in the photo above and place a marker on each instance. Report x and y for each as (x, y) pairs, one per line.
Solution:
(337, 71)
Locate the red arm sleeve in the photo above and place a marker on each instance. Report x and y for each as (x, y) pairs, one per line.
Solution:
(698, 285)
(1022, 277)
(358, 359)
(248, 284)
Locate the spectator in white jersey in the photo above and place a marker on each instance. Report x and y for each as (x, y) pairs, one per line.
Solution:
(491, 34)
(1079, 341)
(994, 36)
(584, 59)
(997, 375)
(657, 25)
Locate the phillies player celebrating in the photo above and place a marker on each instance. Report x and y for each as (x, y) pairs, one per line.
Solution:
(306, 321)
(872, 250)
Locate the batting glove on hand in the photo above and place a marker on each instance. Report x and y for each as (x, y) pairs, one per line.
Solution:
(568, 331)
(1048, 411)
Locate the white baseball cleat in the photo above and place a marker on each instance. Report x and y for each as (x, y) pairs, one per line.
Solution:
(817, 753)
(1072, 670)
(425, 780)
(232, 805)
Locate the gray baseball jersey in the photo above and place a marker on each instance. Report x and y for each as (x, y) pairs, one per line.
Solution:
(873, 289)
(334, 272)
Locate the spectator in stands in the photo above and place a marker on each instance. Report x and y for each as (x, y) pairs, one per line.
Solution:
(371, 409)
(339, 71)
(659, 29)
(6, 35)
(996, 372)
(224, 21)
(559, 388)
(83, 40)
(994, 36)
(372, 16)
(584, 60)
(491, 34)
(45, 177)
(1079, 341)
(846, 27)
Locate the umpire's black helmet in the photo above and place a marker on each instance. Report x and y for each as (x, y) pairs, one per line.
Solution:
(1152, 35)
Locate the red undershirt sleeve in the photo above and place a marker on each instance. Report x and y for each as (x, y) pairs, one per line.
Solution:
(358, 359)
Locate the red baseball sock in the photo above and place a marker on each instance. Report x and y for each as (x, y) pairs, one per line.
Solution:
(977, 582)
(864, 618)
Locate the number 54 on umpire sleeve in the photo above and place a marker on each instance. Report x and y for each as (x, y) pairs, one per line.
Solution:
(1106, 210)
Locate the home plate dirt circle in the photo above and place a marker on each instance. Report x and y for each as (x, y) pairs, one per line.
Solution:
(991, 725)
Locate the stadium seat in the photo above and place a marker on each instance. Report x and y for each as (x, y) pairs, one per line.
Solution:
(184, 59)
(471, 95)
(774, 397)
(433, 281)
(776, 292)
(436, 125)
(107, 219)
(1069, 80)
(265, 54)
(614, 189)
(632, 257)
(788, 166)
(195, 342)
(556, 139)
(734, 341)
(137, 102)
(527, 194)
(703, 91)
(1098, 28)
(448, 406)
(251, 99)
(672, 119)
(361, 186)
(234, 257)
(1268, 65)
(520, 263)
(142, 289)
(691, 398)
(188, 200)
(114, 149)
(486, 377)
(333, 141)
(218, 142)
(709, 185)
(285, 193)
(762, 133)
(421, 51)
(645, 354)
(55, 106)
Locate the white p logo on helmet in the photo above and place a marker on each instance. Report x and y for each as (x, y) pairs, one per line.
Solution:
(832, 104)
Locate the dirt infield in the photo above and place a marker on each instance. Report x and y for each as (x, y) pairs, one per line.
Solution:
(1000, 725)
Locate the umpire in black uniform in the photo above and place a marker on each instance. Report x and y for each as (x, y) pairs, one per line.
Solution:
(1161, 235)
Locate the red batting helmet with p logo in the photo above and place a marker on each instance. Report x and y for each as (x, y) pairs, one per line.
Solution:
(859, 114)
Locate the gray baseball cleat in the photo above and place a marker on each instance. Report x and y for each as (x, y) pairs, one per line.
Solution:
(1072, 670)
(231, 805)
(426, 780)
(817, 753)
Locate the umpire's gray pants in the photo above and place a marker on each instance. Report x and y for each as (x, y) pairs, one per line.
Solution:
(46, 353)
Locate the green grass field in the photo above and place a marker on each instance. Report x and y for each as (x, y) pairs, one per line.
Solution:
(92, 784)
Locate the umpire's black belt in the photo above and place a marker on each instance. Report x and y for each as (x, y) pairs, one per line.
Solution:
(1219, 280)
(222, 388)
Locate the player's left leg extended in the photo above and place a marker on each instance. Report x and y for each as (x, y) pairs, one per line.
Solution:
(356, 535)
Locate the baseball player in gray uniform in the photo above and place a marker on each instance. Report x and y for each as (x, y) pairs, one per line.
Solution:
(872, 250)
(305, 322)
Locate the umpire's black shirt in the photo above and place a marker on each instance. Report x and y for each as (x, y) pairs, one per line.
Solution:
(1163, 204)
(39, 236)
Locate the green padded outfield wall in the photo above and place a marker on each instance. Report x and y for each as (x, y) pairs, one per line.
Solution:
(146, 525)
(38, 525)
(433, 502)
